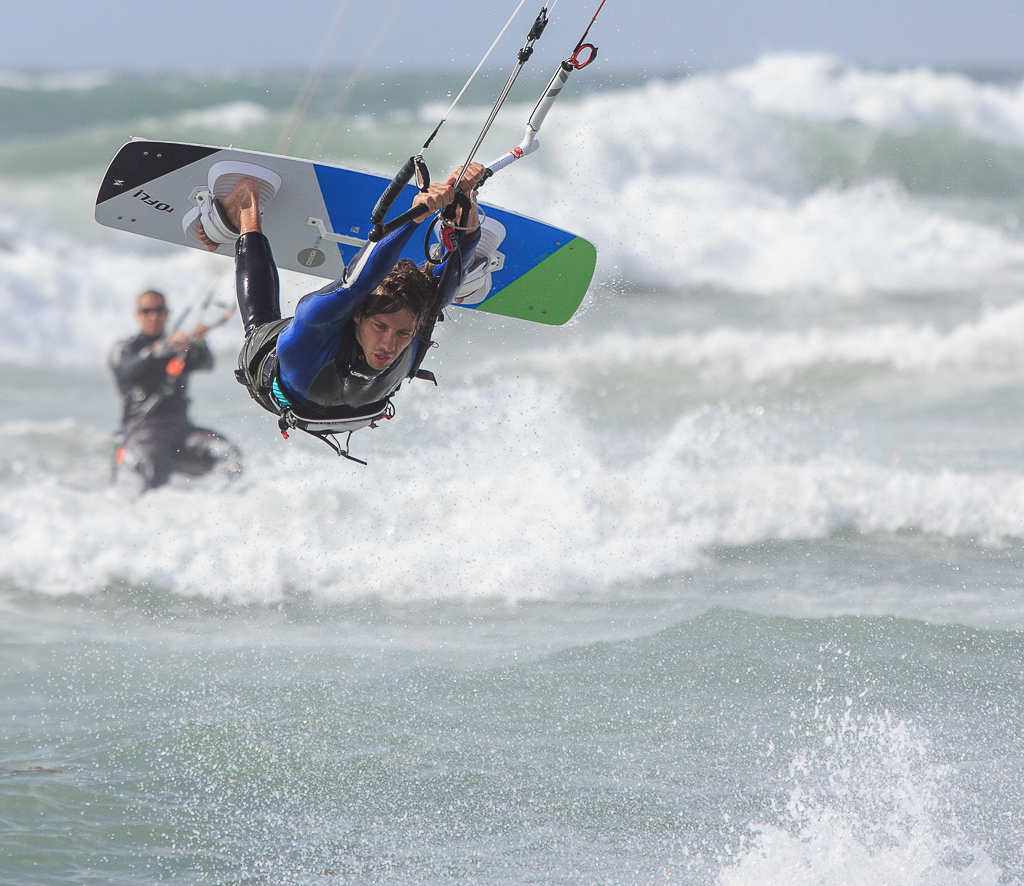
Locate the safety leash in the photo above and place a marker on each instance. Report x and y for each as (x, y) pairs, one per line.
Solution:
(581, 56)
(415, 165)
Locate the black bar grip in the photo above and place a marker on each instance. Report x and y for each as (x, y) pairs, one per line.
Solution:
(378, 232)
(392, 191)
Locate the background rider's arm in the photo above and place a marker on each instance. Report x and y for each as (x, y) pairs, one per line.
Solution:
(132, 367)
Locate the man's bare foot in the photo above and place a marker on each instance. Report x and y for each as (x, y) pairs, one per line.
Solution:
(240, 208)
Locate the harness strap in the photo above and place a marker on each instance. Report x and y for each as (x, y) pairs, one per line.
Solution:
(453, 262)
(290, 421)
(326, 429)
(258, 372)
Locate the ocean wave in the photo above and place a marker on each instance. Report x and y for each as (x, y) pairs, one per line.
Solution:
(233, 117)
(488, 470)
(986, 346)
(52, 81)
(814, 86)
(795, 174)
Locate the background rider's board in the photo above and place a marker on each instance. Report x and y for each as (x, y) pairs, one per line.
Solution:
(320, 214)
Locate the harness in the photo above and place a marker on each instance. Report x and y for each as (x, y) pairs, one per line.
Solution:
(258, 372)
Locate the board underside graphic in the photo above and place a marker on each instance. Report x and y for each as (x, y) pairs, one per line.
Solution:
(540, 273)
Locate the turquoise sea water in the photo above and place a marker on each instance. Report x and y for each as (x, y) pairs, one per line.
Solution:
(718, 584)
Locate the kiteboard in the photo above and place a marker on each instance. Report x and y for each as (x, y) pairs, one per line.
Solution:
(319, 216)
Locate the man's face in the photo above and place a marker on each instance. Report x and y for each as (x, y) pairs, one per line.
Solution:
(152, 314)
(384, 336)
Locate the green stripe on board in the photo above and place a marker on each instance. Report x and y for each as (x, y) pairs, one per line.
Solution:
(552, 291)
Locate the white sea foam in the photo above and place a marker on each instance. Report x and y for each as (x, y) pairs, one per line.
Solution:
(867, 807)
(695, 183)
(696, 231)
(233, 117)
(988, 345)
(509, 496)
(821, 87)
(66, 301)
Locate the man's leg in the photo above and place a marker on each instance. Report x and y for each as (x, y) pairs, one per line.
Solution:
(257, 284)
(202, 450)
(150, 448)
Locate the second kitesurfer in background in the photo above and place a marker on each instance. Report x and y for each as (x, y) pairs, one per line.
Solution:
(152, 372)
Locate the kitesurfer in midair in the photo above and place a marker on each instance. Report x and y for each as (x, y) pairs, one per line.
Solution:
(351, 344)
(152, 372)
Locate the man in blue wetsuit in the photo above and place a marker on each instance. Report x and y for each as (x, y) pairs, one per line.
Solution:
(351, 344)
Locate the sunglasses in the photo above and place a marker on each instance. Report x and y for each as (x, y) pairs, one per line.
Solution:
(152, 310)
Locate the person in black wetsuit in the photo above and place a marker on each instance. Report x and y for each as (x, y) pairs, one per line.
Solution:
(351, 344)
(151, 373)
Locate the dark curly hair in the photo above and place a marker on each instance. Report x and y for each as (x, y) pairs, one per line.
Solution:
(405, 287)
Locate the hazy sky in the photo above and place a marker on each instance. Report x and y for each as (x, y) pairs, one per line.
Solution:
(147, 35)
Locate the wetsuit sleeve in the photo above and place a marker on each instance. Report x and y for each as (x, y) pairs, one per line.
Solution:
(341, 299)
(310, 341)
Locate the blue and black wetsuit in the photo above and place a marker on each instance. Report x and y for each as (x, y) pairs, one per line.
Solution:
(312, 361)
